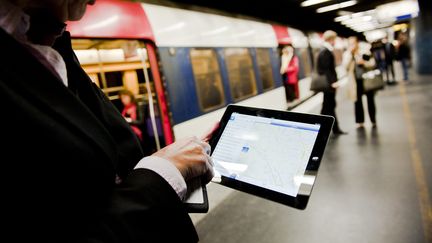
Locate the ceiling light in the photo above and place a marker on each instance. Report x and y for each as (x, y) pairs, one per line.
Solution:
(362, 24)
(342, 18)
(391, 11)
(367, 18)
(308, 3)
(358, 14)
(336, 6)
(343, 12)
(350, 21)
(375, 35)
(364, 28)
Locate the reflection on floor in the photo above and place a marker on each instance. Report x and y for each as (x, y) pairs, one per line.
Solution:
(366, 189)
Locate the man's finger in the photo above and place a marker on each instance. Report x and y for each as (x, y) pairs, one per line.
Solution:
(206, 147)
(207, 136)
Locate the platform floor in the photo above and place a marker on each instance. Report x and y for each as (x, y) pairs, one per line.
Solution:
(374, 185)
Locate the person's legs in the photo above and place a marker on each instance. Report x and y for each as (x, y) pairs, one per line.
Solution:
(390, 66)
(287, 91)
(404, 62)
(359, 112)
(291, 92)
(387, 73)
(371, 106)
(325, 105)
(358, 104)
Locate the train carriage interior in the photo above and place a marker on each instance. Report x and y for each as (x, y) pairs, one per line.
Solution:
(116, 65)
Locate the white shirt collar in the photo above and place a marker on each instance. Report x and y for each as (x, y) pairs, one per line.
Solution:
(16, 23)
(328, 46)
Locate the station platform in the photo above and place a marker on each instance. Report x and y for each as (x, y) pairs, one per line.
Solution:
(374, 184)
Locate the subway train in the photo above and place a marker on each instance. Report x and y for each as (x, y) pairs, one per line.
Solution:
(185, 66)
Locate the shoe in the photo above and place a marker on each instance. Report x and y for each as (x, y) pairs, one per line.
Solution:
(360, 125)
(339, 132)
(374, 125)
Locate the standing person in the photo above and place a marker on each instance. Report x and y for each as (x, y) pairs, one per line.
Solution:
(390, 53)
(289, 70)
(404, 55)
(355, 64)
(326, 66)
(292, 71)
(378, 53)
(74, 170)
(130, 111)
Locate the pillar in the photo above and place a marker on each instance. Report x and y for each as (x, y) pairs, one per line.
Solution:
(423, 38)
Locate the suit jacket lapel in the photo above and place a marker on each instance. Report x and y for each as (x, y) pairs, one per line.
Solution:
(38, 84)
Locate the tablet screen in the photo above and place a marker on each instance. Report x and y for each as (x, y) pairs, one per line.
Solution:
(265, 152)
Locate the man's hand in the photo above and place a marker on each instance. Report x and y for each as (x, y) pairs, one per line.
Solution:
(191, 156)
(335, 85)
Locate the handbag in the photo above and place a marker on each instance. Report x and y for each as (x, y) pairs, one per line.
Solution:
(319, 83)
(372, 80)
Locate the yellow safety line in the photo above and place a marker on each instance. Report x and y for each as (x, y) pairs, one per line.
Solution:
(422, 187)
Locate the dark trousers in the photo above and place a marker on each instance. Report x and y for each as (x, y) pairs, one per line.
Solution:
(289, 92)
(329, 108)
(289, 89)
(390, 69)
(405, 66)
(358, 105)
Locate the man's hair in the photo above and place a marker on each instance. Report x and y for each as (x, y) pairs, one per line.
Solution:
(329, 35)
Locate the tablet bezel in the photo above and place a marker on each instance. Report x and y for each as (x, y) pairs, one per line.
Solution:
(198, 207)
(300, 201)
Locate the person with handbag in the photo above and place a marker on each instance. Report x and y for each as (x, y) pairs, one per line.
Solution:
(326, 67)
(357, 65)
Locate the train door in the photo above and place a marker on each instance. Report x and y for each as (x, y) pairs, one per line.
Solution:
(124, 68)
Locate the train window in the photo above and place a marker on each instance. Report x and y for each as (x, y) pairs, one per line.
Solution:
(114, 65)
(140, 75)
(113, 79)
(207, 78)
(240, 73)
(118, 64)
(265, 68)
(304, 62)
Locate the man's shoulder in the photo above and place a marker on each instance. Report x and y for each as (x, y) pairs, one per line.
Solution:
(324, 52)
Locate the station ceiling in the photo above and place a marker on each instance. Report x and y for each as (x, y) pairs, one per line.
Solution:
(285, 12)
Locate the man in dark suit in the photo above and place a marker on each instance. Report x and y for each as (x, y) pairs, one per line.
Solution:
(326, 65)
(72, 169)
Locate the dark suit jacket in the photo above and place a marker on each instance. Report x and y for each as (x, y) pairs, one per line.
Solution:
(62, 148)
(326, 65)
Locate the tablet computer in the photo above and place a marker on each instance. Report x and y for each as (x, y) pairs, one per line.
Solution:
(270, 154)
